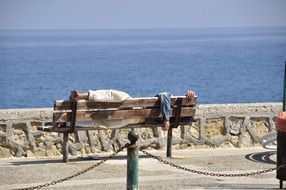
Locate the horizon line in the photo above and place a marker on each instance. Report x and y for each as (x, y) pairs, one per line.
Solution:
(143, 28)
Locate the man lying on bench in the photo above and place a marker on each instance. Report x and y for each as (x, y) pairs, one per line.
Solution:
(119, 96)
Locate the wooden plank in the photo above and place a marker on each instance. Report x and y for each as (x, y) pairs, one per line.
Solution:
(120, 114)
(139, 125)
(134, 102)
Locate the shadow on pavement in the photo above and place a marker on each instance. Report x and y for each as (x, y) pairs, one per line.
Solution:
(72, 160)
(263, 157)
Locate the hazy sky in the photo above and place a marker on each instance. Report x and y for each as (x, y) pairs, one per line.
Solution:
(106, 14)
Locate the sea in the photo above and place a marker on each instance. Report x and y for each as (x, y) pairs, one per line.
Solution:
(222, 65)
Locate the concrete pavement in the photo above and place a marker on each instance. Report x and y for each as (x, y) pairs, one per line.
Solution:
(23, 172)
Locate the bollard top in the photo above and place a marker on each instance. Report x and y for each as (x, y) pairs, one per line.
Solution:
(281, 122)
(133, 137)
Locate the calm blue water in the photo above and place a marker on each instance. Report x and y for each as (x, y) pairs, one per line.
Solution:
(221, 65)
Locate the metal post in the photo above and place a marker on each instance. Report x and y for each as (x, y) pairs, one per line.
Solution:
(176, 124)
(281, 143)
(281, 156)
(132, 162)
(73, 116)
(169, 142)
(284, 95)
(284, 108)
(65, 147)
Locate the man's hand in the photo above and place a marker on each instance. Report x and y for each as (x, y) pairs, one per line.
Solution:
(190, 94)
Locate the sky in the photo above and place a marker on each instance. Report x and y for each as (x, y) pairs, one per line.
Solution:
(136, 14)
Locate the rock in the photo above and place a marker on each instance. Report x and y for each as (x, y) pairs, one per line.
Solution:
(146, 133)
(30, 154)
(40, 153)
(246, 140)
(194, 131)
(53, 151)
(5, 152)
(261, 128)
(214, 128)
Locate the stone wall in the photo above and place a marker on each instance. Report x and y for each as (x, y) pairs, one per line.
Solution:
(221, 125)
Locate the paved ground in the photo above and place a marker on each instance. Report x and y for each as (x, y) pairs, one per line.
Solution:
(20, 173)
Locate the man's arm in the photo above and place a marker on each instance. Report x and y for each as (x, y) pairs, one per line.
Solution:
(76, 95)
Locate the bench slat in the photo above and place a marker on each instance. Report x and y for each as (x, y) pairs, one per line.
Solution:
(134, 102)
(119, 114)
(86, 128)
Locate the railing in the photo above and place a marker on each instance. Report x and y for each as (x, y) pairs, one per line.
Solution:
(132, 166)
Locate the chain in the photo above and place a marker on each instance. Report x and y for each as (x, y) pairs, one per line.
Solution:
(160, 160)
(211, 173)
(76, 174)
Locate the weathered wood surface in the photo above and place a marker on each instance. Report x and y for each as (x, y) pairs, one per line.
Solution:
(134, 102)
(153, 123)
(119, 114)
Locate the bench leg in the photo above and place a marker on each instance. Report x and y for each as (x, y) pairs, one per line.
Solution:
(65, 147)
(281, 184)
(169, 142)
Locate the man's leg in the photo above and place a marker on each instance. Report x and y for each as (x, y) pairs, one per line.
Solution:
(165, 107)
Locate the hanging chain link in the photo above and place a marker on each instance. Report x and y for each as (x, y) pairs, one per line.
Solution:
(160, 160)
(76, 174)
(212, 173)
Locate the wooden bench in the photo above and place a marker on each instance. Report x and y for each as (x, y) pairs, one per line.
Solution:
(66, 114)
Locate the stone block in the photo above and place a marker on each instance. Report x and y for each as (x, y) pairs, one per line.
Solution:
(194, 131)
(53, 151)
(214, 128)
(146, 133)
(5, 152)
(246, 140)
(260, 127)
(40, 153)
